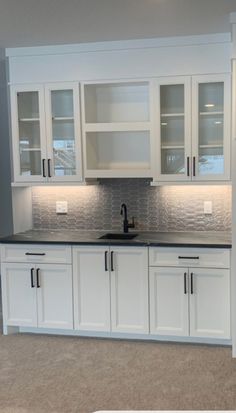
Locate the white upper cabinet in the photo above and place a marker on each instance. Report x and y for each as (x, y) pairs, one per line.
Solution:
(173, 128)
(28, 131)
(211, 127)
(192, 128)
(116, 126)
(46, 133)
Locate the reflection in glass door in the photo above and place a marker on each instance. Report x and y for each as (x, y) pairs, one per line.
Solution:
(211, 128)
(29, 133)
(63, 133)
(172, 129)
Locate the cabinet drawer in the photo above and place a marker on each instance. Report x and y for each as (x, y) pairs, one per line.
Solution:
(189, 257)
(47, 253)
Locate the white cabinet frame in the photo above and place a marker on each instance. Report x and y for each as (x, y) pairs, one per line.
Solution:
(118, 127)
(165, 81)
(74, 86)
(196, 80)
(45, 119)
(15, 131)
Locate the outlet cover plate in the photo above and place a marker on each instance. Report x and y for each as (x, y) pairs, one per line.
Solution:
(61, 207)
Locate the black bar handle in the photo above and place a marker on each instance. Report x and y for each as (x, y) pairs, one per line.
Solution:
(191, 282)
(32, 277)
(35, 253)
(37, 278)
(194, 166)
(106, 268)
(187, 258)
(112, 260)
(49, 168)
(44, 171)
(188, 170)
(185, 283)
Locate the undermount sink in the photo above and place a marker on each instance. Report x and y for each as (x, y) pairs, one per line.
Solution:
(118, 235)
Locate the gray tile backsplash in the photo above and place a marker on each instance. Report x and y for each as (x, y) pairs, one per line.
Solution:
(166, 208)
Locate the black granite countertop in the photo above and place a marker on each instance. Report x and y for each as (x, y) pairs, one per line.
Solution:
(201, 239)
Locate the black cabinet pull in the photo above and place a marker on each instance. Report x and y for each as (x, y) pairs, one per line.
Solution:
(49, 168)
(191, 282)
(106, 268)
(188, 258)
(44, 171)
(112, 260)
(37, 278)
(32, 277)
(188, 171)
(35, 253)
(194, 166)
(185, 283)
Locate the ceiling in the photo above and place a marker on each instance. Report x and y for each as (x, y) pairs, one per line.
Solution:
(45, 22)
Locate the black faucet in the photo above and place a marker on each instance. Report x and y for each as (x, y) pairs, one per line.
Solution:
(126, 224)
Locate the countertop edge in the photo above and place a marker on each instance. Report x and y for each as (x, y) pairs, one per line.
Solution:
(120, 243)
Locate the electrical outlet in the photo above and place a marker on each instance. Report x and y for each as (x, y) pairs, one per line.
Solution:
(61, 207)
(207, 205)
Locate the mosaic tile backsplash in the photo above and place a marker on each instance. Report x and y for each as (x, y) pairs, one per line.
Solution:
(166, 208)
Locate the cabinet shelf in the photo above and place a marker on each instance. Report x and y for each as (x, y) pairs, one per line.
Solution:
(211, 113)
(171, 115)
(30, 149)
(172, 147)
(28, 119)
(211, 146)
(62, 118)
(117, 127)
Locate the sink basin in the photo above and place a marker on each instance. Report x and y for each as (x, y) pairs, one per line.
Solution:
(118, 235)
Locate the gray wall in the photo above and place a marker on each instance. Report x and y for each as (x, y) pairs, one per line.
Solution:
(5, 170)
(169, 208)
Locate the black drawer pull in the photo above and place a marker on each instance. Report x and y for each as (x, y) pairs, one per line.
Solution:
(188, 172)
(44, 172)
(32, 277)
(35, 253)
(191, 282)
(106, 268)
(194, 166)
(49, 168)
(37, 277)
(185, 283)
(188, 258)
(112, 261)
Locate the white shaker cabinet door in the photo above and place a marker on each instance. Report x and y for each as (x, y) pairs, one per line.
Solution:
(28, 133)
(129, 289)
(54, 296)
(91, 288)
(19, 295)
(210, 303)
(169, 301)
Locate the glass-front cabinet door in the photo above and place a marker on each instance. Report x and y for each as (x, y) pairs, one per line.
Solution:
(173, 129)
(28, 133)
(211, 127)
(63, 132)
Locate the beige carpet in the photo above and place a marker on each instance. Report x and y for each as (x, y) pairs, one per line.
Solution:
(40, 374)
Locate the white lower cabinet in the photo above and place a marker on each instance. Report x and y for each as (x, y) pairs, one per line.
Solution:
(37, 295)
(168, 301)
(210, 302)
(19, 299)
(91, 288)
(190, 302)
(111, 289)
(129, 290)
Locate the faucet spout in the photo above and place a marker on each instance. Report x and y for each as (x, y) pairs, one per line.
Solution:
(126, 225)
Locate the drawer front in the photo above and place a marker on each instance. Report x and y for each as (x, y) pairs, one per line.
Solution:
(47, 253)
(189, 257)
